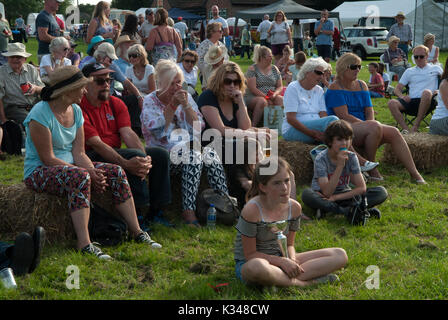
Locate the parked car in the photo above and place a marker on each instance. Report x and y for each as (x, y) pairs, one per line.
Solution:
(367, 41)
(385, 22)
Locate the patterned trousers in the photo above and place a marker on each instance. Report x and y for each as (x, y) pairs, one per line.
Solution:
(76, 184)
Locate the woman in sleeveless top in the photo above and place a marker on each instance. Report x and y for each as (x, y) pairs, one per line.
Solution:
(280, 34)
(348, 98)
(258, 256)
(141, 73)
(163, 40)
(130, 28)
(264, 82)
(433, 56)
(100, 25)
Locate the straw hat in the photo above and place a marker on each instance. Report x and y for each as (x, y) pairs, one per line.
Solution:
(66, 79)
(400, 13)
(393, 39)
(123, 39)
(16, 49)
(215, 54)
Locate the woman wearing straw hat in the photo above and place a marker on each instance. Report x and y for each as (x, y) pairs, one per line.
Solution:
(214, 57)
(395, 57)
(56, 163)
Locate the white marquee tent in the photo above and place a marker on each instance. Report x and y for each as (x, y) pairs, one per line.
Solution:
(423, 15)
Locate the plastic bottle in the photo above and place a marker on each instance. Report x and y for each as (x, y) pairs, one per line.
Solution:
(211, 217)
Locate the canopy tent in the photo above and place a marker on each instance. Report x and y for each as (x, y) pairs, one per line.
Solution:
(423, 15)
(291, 9)
(176, 12)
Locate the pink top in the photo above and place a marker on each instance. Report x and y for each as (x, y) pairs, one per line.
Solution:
(375, 80)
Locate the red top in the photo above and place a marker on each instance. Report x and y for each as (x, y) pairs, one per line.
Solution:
(376, 80)
(60, 23)
(104, 122)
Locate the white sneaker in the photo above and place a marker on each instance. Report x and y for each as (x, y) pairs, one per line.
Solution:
(145, 238)
(92, 249)
(369, 165)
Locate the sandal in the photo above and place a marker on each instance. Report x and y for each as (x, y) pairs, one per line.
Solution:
(420, 181)
(193, 221)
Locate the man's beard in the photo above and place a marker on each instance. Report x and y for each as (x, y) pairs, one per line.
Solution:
(103, 95)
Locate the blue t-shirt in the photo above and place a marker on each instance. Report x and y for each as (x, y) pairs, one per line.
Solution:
(61, 137)
(324, 39)
(122, 64)
(46, 20)
(356, 102)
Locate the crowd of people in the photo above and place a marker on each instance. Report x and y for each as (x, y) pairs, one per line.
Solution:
(84, 122)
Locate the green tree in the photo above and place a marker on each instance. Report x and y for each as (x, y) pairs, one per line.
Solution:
(14, 8)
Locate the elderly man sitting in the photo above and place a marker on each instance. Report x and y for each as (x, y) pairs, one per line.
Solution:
(20, 84)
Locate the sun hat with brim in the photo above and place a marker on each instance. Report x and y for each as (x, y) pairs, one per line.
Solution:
(95, 40)
(400, 13)
(215, 54)
(393, 39)
(107, 49)
(95, 69)
(16, 49)
(66, 79)
(123, 39)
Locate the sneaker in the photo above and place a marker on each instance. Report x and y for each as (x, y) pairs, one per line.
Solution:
(145, 238)
(369, 165)
(22, 254)
(329, 278)
(144, 224)
(159, 218)
(92, 249)
(375, 213)
(39, 241)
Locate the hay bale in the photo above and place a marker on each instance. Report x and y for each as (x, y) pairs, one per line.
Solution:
(298, 156)
(22, 209)
(428, 150)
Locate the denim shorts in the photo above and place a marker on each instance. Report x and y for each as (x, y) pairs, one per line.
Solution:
(238, 266)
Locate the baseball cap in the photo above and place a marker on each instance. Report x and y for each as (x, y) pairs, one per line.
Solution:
(107, 49)
(148, 11)
(95, 69)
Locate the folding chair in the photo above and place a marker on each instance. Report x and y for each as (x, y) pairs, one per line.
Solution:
(409, 118)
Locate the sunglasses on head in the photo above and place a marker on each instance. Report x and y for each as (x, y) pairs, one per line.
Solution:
(355, 66)
(134, 55)
(318, 72)
(189, 61)
(101, 82)
(419, 57)
(236, 82)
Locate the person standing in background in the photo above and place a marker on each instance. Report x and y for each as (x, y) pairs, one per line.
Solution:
(20, 25)
(324, 30)
(182, 28)
(403, 31)
(217, 18)
(262, 29)
(297, 35)
(47, 27)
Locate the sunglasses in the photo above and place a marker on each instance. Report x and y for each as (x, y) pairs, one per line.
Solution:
(236, 82)
(319, 73)
(66, 49)
(134, 55)
(101, 82)
(419, 57)
(220, 30)
(355, 66)
(189, 61)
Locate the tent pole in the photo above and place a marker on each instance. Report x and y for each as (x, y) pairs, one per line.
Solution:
(443, 26)
(415, 22)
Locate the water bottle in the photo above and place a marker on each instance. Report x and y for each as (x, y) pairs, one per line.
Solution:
(211, 217)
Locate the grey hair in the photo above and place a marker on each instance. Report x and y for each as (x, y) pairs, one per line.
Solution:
(165, 72)
(58, 42)
(310, 65)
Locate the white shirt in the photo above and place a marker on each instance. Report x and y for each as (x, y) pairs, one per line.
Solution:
(220, 19)
(146, 28)
(263, 28)
(441, 110)
(305, 103)
(190, 77)
(142, 85)
(279, 33)
(46, 61)
(420, 79)
(182, 28)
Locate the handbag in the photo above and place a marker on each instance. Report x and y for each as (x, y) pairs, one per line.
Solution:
(273, 117)
(227, 211)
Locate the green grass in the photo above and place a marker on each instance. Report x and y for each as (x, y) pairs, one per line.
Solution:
(409, 245)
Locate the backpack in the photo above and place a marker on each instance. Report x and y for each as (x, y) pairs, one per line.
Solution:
(12, 138)
(106, 228)
(227, 211)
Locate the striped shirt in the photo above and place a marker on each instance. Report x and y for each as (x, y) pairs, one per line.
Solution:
(403, 32)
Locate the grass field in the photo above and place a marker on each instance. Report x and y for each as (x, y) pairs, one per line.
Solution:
(408, 248)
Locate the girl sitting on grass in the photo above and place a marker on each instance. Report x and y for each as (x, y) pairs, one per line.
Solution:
(258, 256)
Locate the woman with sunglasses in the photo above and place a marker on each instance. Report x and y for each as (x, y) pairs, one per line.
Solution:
(264, 82)
(348, 98)
(168, 112)
(59, 48)
(188, 66)
(141, 73)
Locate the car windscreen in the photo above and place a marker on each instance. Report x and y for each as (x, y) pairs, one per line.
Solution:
(375, 33)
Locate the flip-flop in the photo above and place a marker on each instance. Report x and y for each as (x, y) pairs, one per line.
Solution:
(420, 181)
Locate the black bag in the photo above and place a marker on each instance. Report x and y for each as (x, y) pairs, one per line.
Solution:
(359, 214)
(12, 138)
(227, 211)
(105, 228)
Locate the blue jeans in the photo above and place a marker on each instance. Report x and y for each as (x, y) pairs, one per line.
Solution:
(4, 257)
(238, 266)
(374, 94)
(320, 124)
(404, 47)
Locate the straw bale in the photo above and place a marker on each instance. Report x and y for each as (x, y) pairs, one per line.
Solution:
(428, 150)
(22, 209)
(298, 156)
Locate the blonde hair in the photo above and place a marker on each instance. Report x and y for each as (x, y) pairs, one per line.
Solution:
(280, 11)
(211, 28)
(344, 62)
(216, 81)
(98, 12)
(260, 52)
(421, 47)
(166, 71)
(427, 37)
(139, 49)
(161, 17)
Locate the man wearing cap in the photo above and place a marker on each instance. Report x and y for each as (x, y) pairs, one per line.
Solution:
(182, 28)
(106, 126)
(147, 26)
(94, 43)
(403, 31)
(20, 84)
(423, 84)
(218, 18)
(121, 49)
(47, 27)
